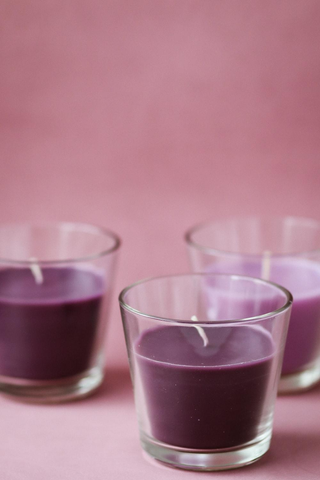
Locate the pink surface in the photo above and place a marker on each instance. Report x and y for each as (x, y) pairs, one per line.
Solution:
(98, 439)
(147, 117)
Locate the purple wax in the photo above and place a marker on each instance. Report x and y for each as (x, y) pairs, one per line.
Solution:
(48, 331)
(302, 278)
(204, 397)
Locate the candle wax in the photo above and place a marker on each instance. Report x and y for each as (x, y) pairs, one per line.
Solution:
(302, 278)
(48, 330)
(204, 397)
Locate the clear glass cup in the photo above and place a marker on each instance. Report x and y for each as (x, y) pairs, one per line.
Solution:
(55, 287)
(285, 250)
(205, 353)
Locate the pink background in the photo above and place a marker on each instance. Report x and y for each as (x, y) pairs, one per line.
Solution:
(146, 117)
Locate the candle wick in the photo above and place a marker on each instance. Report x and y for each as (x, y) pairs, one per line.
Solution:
(36, 271)
(266, 264)
(200, 330)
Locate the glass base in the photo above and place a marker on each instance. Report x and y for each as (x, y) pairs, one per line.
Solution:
(300, 381)
(205, 460)
(54, 391)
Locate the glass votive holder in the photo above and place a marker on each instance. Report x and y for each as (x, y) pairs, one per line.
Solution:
(286, 251)
(205, 354)
(55, 285)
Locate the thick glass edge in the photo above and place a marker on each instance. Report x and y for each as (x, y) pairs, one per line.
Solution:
(79, 226)
(212, 251)
(130, 309)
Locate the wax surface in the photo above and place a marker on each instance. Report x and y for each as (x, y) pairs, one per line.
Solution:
(204, 397)
(302, 278)
(48, 330)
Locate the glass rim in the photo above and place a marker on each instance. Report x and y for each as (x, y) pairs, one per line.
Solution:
(67, 226)
(188, 236)
(237, 321)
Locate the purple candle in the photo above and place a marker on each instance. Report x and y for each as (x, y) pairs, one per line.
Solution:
(55, 282)
(205, 397)
(205, 353)
(302, 278)
(48, 330)
(284, 250)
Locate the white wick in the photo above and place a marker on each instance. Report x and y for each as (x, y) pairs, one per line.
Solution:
(266, 264)
(36, 271)
(201, 332)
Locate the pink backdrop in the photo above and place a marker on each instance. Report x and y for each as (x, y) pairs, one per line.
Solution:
(148, 116)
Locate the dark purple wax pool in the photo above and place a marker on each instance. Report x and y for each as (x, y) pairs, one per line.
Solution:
(204, 397)
(48, 331)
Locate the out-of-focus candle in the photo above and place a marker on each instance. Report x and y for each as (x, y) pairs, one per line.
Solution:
(285, 251)
(55, 284)
(302, 278)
